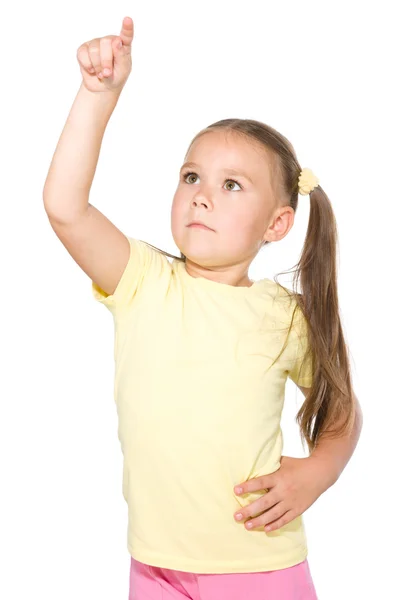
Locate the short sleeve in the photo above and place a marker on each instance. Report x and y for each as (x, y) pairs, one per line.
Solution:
(144, 263)
(301, 359)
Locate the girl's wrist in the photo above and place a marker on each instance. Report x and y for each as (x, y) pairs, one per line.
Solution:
(322, 469)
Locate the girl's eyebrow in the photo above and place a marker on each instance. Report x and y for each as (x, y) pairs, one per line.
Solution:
(233, 171)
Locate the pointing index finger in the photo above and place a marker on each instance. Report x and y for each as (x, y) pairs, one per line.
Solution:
(127, 31)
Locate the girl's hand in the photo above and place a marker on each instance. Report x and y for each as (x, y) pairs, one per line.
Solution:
(291, 490)
(106, 53)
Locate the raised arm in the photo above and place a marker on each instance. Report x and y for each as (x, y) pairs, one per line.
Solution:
(93, 241)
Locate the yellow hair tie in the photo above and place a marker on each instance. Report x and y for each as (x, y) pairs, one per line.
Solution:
(307, 181)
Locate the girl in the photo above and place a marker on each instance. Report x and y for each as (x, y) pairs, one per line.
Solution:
(203, 353)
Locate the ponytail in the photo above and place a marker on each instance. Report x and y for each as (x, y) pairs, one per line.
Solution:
(330, 403)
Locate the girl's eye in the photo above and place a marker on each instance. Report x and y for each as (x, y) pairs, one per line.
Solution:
(186, 175)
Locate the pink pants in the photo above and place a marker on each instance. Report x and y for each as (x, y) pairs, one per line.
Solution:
(154, 583)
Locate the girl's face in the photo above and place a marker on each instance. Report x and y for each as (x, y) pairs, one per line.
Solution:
(229, 189)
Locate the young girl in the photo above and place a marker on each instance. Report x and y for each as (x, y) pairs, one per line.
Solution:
(202, 353)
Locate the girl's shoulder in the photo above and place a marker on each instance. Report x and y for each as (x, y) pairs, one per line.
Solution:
(286, 297)
(284, 304)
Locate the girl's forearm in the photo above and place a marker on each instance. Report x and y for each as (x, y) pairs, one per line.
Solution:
(67, 187)
(331, 455)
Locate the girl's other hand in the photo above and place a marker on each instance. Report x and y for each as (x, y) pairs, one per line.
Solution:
(105, 64)
(293, 488)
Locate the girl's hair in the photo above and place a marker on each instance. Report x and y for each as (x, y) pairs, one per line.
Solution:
(331, 400)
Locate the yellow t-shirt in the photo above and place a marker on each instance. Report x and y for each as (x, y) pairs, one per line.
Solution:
(199, 402)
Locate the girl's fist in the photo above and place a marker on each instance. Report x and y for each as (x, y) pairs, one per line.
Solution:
(106, 62)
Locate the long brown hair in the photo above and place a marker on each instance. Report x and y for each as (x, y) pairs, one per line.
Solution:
(330, 400)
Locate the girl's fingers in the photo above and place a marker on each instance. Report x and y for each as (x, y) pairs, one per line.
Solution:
(105, 51)
(127, 31)
(84, 58)
(94, 55)
(99, 56)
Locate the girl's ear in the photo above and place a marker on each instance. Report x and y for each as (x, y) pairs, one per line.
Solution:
(281, 224)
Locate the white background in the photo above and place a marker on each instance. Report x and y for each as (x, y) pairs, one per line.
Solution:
(332, 78)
